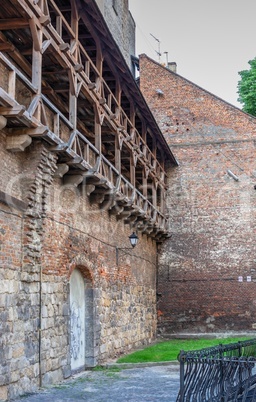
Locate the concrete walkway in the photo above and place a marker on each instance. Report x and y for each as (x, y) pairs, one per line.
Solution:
(147, 384)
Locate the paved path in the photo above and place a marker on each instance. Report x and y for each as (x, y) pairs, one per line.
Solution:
(148, 384)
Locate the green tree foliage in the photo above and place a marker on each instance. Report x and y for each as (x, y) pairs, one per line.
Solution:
(247, 88)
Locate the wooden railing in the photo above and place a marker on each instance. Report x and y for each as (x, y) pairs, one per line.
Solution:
(39, 116)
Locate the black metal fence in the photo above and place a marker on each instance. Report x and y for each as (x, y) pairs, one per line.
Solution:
(222, 373)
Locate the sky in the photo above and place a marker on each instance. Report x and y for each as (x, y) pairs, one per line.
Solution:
(210, 40)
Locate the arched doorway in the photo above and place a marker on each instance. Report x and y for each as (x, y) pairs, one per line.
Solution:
(81, 320)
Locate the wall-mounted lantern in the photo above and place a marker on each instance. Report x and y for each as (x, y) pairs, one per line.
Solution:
(133, 240)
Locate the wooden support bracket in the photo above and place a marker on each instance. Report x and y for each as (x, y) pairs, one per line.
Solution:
(78, 89)
(45, 45)
(15, 111)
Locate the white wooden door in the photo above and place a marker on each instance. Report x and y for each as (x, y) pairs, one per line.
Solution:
(77, 311)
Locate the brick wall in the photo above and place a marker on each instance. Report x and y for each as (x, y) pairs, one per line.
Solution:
(48, 229)
(212, 216)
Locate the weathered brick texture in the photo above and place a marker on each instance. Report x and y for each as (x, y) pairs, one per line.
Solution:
(212, 216)
(59, 230)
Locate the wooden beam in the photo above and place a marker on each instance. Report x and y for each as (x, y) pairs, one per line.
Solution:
(13, 23)
(145, 182)
(15, 111)
(37, 36)
(60, 71)
(43, 4)
(6, 99)
(44, 118)
(72, 98)
(72, 82)
(45, 45)
(37, 43)
(117, 154)
(20, 60)
(33, 132)
(97, 132)
(59, 25)
(6, 47)
(12, 83)
(132, 170)
(33, 105)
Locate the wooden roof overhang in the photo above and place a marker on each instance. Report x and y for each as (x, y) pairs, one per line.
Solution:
(65, 80)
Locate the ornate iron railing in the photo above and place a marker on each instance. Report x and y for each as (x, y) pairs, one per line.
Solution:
(223, 373)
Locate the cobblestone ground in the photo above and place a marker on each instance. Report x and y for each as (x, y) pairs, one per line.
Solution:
(149, 384)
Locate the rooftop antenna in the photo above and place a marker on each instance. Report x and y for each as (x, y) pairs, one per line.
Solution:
(157, 52)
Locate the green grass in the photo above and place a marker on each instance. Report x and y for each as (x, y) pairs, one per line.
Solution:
(169, 350)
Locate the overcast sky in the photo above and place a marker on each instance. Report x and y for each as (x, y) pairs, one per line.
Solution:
(210, 40)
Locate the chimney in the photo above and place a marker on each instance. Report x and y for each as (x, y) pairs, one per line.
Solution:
(172, 65)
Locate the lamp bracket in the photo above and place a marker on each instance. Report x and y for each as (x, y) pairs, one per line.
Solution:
(121, 248)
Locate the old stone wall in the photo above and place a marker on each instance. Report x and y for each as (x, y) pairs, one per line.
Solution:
(121, 24)
(79, 235)
(47, 230)
(207, 277)
(19, 366)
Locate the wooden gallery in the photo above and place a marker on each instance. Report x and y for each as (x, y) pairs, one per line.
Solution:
(83, 167)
